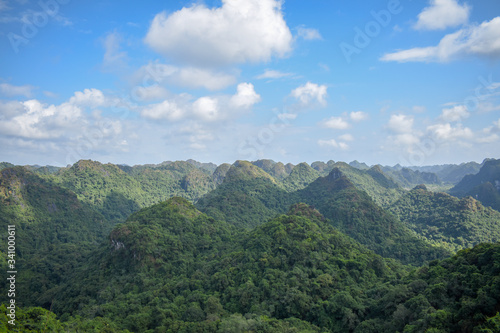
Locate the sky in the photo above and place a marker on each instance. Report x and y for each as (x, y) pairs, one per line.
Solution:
(128, 82)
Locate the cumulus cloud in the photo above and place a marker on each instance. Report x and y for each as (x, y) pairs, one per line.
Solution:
(164, 110)
(205, 108)
(358, 116)
(310, 94)
(150, 93)
(456, 113)
(446, 132)
(189, 77)
(333, 144)
(400, 123)
(11, 90)
(477, 40)
(308, 33)
(402, 128)
(237, 32)
(272, 74)
(346, 137)
(442, 14)
(335, 123)
(91, 98)
(245, 96)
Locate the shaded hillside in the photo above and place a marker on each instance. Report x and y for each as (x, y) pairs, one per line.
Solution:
(484, 186)
(177, 269)
(410, 178)
(353, 212)
(54, 230)
(460, 294)
(447, 221)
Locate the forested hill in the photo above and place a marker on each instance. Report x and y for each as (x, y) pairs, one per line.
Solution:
(251, 247)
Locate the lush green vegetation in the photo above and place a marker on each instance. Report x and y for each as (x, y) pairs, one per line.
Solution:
(446, 221)
(266, 247)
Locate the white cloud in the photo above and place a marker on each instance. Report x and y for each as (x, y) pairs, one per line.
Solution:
(11, 90)
(245, 96)
(335, 123)
(400, 123)
(189, 77)
(240, 31)
(310, 94)
(308, 33)
(90, 97)
(334, 144)
(151, 93)
(164, 110)
(358, 116)
(442, 14)
(478, 40)
(272, 74)
(487, 107)
(346, 137)
(206, 108)
(456, 113)
(113, 57)
(446, 132)
(39, 121)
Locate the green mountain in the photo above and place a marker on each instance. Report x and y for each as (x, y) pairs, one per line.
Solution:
(410, 178)
(353, 212)
(484, 186)
(460, 294)
(170, 267)
(301, 176)
(247, 197)
(54, 230)
(277, 170)
(447, 221)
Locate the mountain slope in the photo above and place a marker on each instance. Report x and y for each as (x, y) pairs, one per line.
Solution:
(484, 186)
(179, 270)
(247, 197)
(54, 231)
(353, 212)
(447, 221)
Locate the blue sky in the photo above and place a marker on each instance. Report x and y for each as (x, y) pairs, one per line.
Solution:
(409, 82)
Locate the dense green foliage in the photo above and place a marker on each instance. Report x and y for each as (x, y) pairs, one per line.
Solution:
(114, 248)
(447, 221)
(53, 231)
(353, 212)
(460, 294)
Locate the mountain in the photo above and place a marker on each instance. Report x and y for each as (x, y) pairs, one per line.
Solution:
(277, 170)
(459, 294)
(484, 186)
(409, 178)
(54, 231)
(359, 165)
(301, 176)
(177, 269)
(382, 188)
(247, 197)
(447, 221)
(353, 212)
(322, 167)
